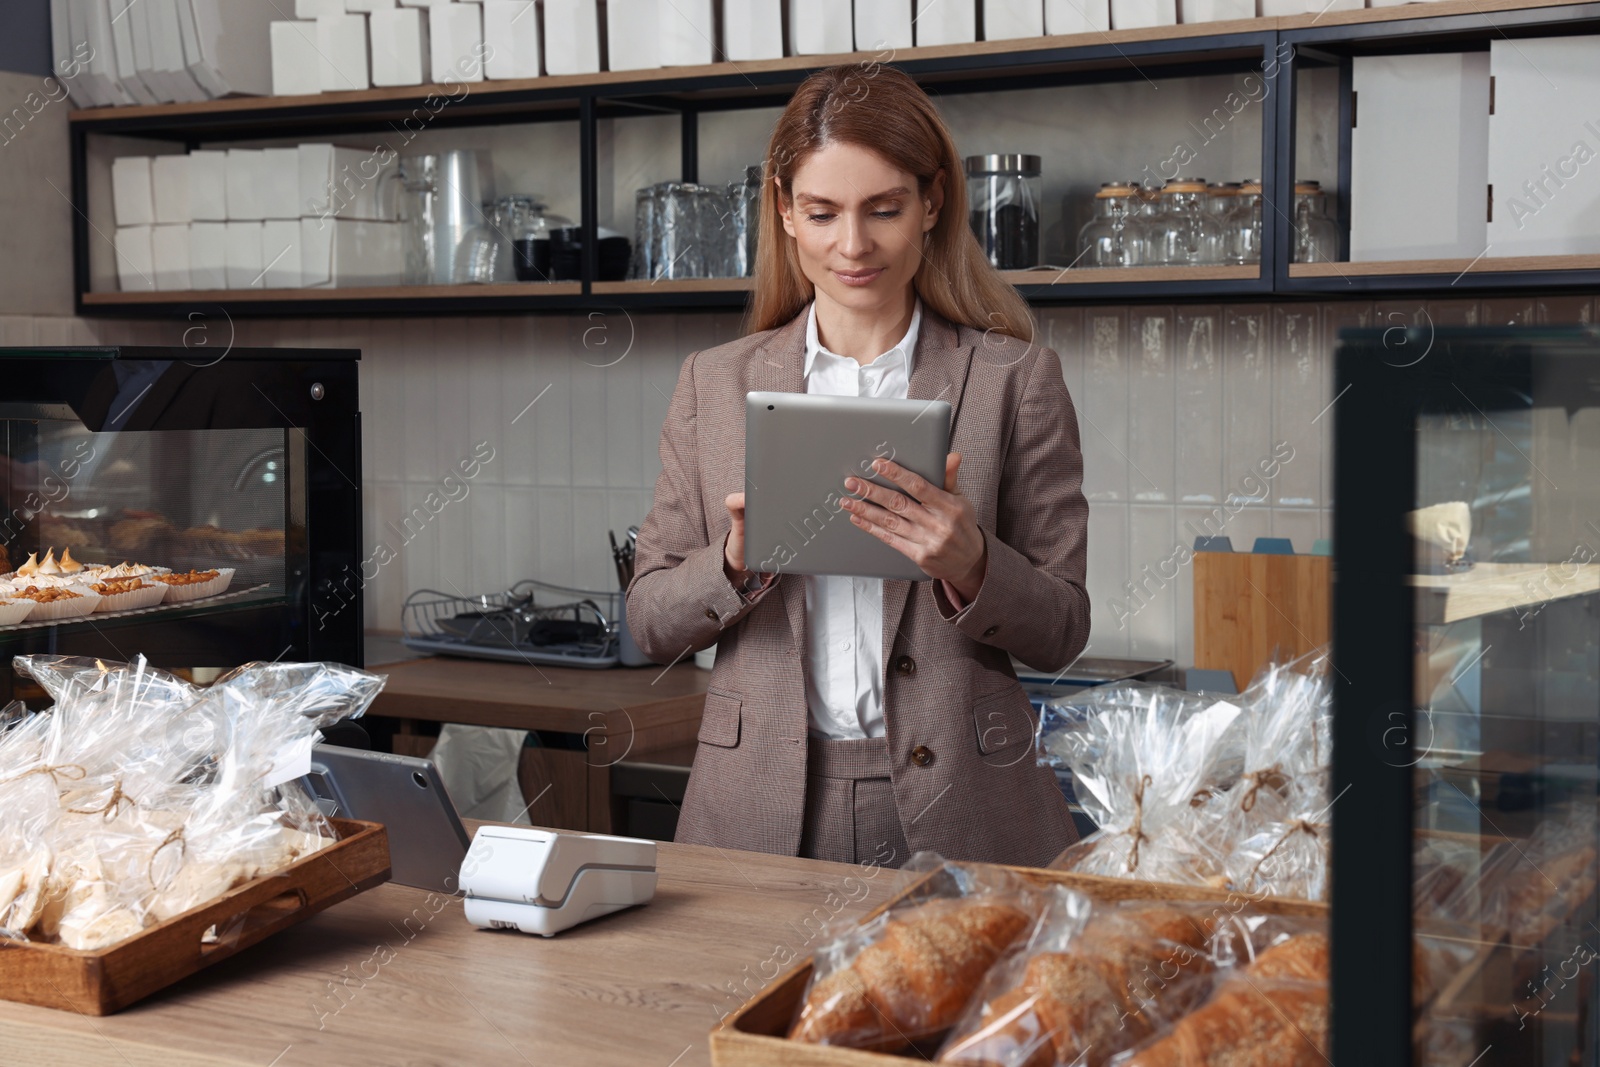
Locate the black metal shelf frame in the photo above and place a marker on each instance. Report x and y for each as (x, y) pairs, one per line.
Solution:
(482, 104)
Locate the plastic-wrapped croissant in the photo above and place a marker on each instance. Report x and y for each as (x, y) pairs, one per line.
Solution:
(1274, 1013)
(1090, 999)
(915, 980)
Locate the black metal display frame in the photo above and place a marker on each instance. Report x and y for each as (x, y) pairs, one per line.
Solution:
(312, 394)
(1385, 380)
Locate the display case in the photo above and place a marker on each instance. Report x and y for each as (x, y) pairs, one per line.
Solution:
(1467, 696)
(246, 463)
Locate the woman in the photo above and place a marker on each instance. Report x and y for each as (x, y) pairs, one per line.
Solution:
(851, 719)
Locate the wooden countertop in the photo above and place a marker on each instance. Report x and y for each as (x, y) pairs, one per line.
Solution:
(396, 977)
(527, 697)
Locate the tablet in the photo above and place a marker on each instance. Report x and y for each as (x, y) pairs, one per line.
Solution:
(426, 839)
(798, 450)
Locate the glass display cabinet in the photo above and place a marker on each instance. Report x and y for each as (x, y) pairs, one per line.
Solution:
(247, 464)
(1467, 697)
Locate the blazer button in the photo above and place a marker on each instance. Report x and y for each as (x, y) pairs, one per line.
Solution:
(905, 665)
(711, 613)
(990, 631)
(922, 755)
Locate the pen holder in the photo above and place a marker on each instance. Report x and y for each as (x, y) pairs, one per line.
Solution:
(628, 654)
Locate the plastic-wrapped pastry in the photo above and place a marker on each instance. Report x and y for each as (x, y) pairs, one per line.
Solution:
(137, 796)
(1091, 982)
(905, 976)
(1271, 1013)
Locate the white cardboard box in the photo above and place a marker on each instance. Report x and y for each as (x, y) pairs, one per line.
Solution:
(634, 34)
(1408, 108)
(688, 33)
(1143, 14)
(243, 256)
(169, 181)
(296, 64)
(244, 203)
(1544, 140)
(344, 182)
(131, 197)
(347, 253)
(280, 254)
(882, 25)
(1215, 10)
(455, 35)
(208, 185)
(513, 27)
(225, 43)
(946, 22)
(315, 9)
(572, 36)
(1004, 20)
(424, 3)
(169, 252)
(1083, 16)
(278, 183)
(366, 7)
(820, 28)
(753, 29)
(136, 268)
(1280, 8)
(399, 47)
(208, 255)
(342, 51)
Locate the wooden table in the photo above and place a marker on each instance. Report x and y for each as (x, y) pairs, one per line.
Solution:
(397, 978)
(649, 714)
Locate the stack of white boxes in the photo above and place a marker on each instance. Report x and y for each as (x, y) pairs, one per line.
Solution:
(256, 218)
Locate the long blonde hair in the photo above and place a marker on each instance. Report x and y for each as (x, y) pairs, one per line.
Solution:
(880, 108)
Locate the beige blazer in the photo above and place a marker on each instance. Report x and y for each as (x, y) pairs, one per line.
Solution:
(958, 724)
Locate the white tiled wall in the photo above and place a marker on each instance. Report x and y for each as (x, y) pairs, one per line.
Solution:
(1178, 406)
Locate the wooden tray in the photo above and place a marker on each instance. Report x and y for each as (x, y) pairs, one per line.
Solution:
(103, 981)
(753, 1036)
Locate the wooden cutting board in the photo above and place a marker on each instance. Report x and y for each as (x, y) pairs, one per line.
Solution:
(1246, 604)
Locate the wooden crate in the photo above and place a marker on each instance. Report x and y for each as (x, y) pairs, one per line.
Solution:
(753, 1036)
(103, 981)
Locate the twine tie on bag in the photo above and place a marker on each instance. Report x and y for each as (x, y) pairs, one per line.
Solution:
(1299, 825)
(56, 772)
(112, 806)
(175, 837)
(1258, 779)
(1137, 829)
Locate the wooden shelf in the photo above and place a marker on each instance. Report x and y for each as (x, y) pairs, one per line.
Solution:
(1482, 265)
(674, 285)
(385, 292)
(1129, 275)
(1491, 587)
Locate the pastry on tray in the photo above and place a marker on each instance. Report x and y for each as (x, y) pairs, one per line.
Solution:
(1272, 1013)
(55, 601)
(1089, 1000)
(193, 585)
(913, 981)
(125, 594)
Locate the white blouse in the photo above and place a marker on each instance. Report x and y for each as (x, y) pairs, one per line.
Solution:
(844, 616)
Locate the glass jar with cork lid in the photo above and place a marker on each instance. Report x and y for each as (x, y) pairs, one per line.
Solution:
(1189, 234)
(1115, 235)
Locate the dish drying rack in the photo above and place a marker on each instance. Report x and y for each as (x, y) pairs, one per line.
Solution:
(532, 622)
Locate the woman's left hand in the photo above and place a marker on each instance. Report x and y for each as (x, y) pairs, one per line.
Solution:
(933, 527)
